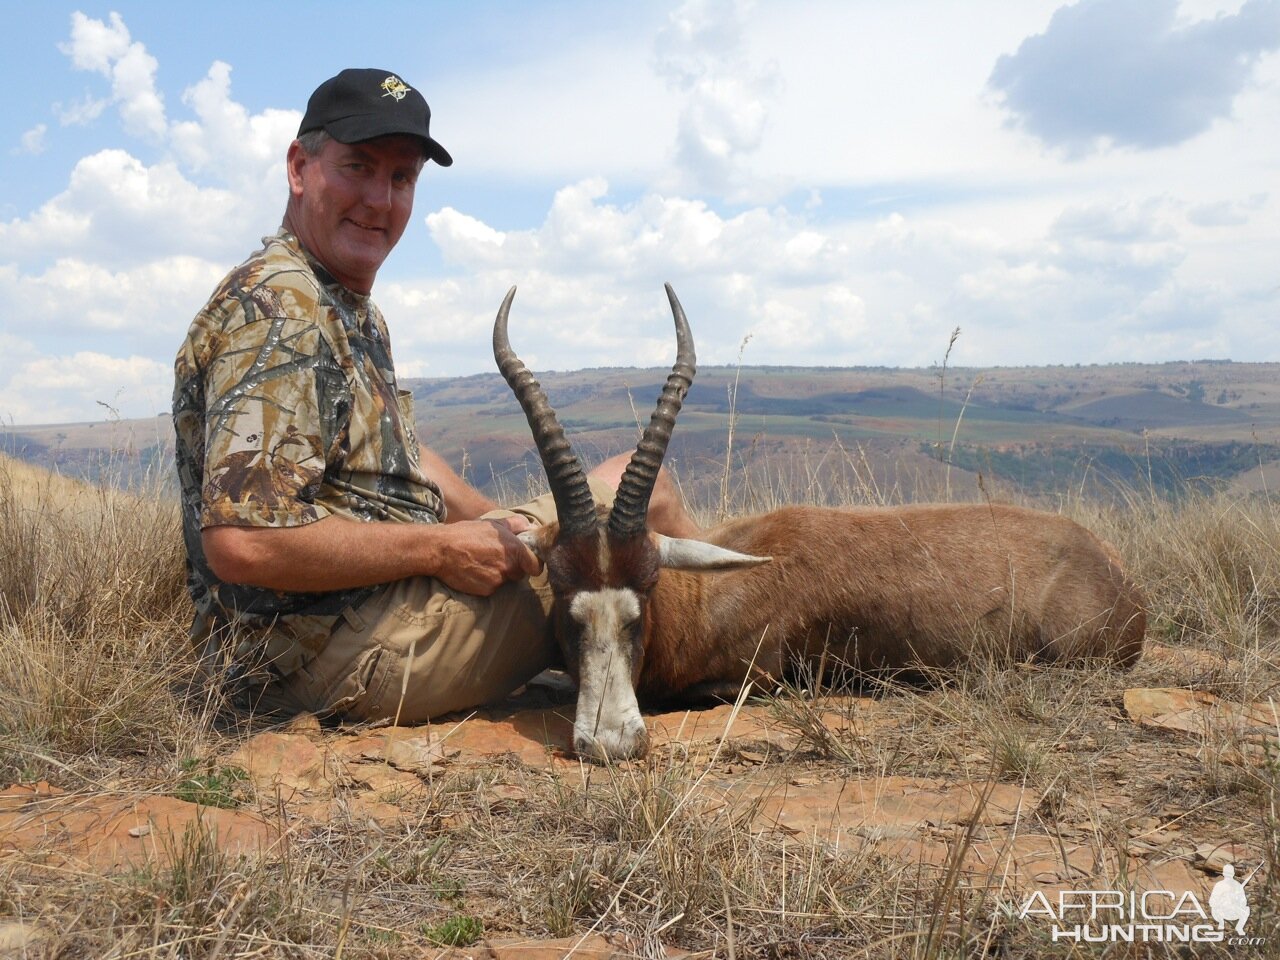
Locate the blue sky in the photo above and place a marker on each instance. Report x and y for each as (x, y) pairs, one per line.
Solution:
(842, 182)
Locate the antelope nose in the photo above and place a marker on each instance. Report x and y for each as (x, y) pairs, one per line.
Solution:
(629, 743)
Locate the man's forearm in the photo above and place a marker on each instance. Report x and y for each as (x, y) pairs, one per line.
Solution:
(331, 554)
(337, 553)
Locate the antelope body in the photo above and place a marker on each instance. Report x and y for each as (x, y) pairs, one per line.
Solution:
(892, 588)
(909, 587)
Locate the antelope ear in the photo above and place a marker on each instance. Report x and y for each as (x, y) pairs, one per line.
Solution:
(538, 540)
(678, 554)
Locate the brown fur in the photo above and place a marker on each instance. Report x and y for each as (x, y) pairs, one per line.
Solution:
(901, 587)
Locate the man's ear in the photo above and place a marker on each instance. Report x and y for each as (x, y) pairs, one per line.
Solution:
(294, 161)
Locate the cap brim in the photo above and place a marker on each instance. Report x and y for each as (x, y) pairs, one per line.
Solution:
(358, 129)
(437, 153)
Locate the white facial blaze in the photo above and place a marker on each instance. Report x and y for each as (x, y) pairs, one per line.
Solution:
(608, 722)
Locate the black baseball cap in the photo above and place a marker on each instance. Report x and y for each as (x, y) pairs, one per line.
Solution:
(362, 104)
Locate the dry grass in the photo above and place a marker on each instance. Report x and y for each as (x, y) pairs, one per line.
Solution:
(93, 668)
(95, 696)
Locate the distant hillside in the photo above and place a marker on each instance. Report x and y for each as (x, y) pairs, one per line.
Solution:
(816, 430)
(30, 485)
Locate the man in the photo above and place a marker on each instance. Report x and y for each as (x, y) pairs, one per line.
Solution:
(1228, 901)
(335, 565)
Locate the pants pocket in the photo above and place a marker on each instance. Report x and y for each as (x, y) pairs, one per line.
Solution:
(351, 687)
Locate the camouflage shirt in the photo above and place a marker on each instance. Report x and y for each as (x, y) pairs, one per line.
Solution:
(286, 410)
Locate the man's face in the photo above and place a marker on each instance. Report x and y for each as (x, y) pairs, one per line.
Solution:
(352, 202)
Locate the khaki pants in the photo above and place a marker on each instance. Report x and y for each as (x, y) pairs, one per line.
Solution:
(417, 649)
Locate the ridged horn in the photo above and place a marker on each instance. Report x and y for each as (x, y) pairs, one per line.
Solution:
(574, 503)
(631, 507)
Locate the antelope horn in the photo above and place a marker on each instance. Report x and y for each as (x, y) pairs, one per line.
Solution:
(631, 506)
(574, 504)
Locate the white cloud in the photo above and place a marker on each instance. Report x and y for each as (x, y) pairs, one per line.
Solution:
(703, 55)
(81, 112)
(225, 140)
(15, 349)
(95, 45)
(833, 179)
(220, 188)
(33, 141)
(1091, 281)
(887, 96)
(152, 303)
(654, 236)
(591, 283)
(121, 259)
(107, 49)
(1128, 73)
(119, 210)
(71, 387)
(466, 241)
(1226, 213)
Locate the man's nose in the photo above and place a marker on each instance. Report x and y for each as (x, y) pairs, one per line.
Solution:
(377, 193)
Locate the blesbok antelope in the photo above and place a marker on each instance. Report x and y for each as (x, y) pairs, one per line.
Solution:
(875, 588)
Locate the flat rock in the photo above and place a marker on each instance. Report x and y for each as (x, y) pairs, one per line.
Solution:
(534, 737)
(751, 721)
(285, 763)
(1212, 857)
(545, 736)
(1017, 860)
(1198, 712)
(385, 782)
(362, 809)
(835, 810)
(303, 762)
(113, 831)
(1191, 659)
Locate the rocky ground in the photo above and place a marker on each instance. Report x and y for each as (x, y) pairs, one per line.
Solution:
(484, 837)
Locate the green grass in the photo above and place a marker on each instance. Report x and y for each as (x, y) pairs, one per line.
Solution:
(213, 787)
(460, 930)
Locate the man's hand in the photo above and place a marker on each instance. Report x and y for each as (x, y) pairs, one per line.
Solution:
(479, 556)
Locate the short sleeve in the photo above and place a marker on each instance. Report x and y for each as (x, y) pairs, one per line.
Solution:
(264, 456)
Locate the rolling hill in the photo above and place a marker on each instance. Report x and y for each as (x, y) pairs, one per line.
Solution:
(1041, 429)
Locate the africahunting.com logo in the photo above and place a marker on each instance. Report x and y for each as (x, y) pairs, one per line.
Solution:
(1151, 916)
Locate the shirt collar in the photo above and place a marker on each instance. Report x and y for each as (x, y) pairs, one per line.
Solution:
(331, 283)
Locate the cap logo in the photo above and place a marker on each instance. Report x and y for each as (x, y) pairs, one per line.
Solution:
(395, 87)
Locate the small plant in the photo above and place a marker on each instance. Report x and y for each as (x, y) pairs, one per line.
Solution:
(806, 717)
(578, 889)
(382, 937)
(215, 787)
(459, 930)
(412, 861)
(1018, 756)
